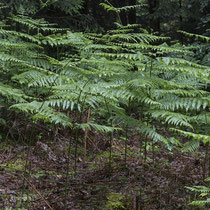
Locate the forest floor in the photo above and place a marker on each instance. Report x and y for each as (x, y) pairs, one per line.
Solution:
(34, 177)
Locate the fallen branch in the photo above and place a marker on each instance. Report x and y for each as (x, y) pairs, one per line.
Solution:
(40, 195)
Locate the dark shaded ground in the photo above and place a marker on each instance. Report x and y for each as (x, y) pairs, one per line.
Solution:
(157, 183)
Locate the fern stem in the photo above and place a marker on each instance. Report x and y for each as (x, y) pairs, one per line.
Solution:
(206, 161)
(153, 152)
(27, 170)
(57, 52)
(76, 134)
(151, 66)
(140, 145)
(67, 173)
(208, 166)
(117, 12)
(110, 149)
(126, 133)
(85, 137)
(126, 144)
(29, 178)
(29, 166)
(145, 150)
(76, 149)
(145, 69)
(79, 121)
(110, 136)
(207, 152)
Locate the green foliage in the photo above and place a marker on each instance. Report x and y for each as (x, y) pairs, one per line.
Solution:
(198, 137)
(196, 36)
(204, 193)
(127, 76)
(201, 47)
(115, 201)
(131, 79)
(27, 7)
(40, 111)
(108, 7)
(161, 99)
(69, 7)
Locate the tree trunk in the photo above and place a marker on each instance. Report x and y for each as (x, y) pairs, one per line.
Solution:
(85, 8)
(180, 21)
(154, 22)
(123, 14)
(132, 13)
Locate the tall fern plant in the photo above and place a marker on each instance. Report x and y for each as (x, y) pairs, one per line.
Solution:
(153, 81)
(129, 77)
(22, 52)
(45, 81)
(154, 85)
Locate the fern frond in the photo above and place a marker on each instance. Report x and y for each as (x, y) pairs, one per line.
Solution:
(198, 137)
(176, 103)
(204, 192)
(97, 127)
(39, 24)
(180, 92)
(131, 7)
(21, 45)
(171, 117)
(120, 31)
(169, 60)
(9, 58)
(200, 202)
(191, 146)
(102, 47)
(109, 7)
(202, 74)
(199, 37)
(40, 111)
(12, 94)
(202, 118)
(20, 35)
(62, 103)
(151, 133)
(120, 55)
(3, 6)
(160, 48)
(207, 179)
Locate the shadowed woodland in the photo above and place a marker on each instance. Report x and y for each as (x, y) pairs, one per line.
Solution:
(104, 104)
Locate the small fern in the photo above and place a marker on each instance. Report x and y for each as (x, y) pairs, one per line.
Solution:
(204, 192)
